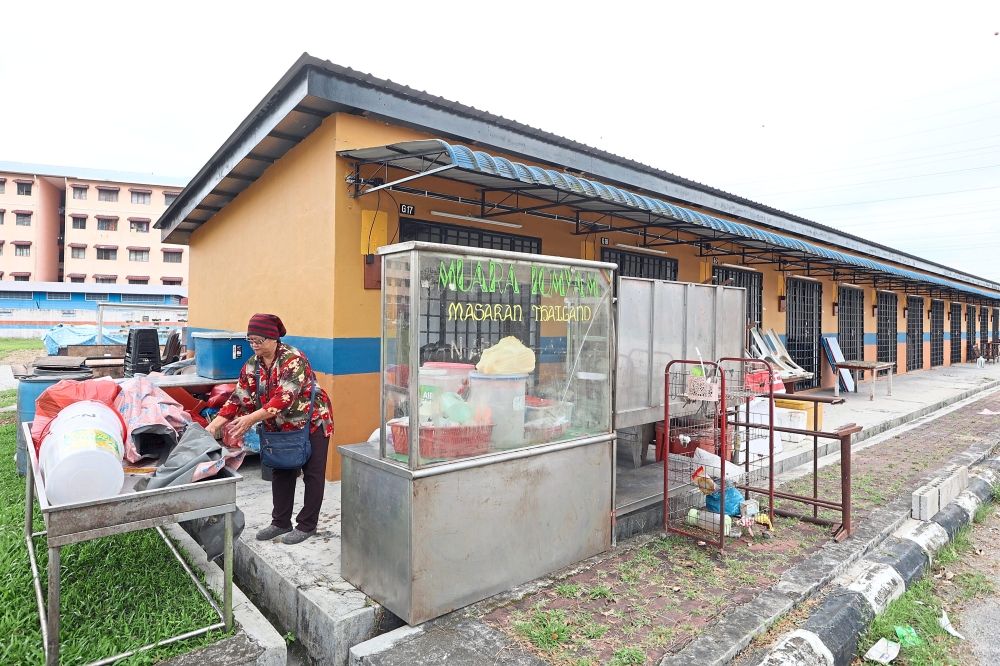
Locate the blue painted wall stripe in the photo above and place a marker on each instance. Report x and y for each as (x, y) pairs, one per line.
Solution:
(331, 356)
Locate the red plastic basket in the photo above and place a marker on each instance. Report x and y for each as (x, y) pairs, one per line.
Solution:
(443, 441)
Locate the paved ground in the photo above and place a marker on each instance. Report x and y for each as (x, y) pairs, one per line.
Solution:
(977, 619)
(7, 380)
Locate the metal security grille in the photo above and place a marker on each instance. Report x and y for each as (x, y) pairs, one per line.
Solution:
(970, 332)
(851, 323)
(752, 281)
(804, 316)
(956, 332)
(914, 333)
(887, 327)
(633, 264)
(984, 325)
(996, 324)
(464, 341)
(937, 333)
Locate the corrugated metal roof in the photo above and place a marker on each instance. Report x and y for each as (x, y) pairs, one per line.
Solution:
(313, 88)
(483, 169)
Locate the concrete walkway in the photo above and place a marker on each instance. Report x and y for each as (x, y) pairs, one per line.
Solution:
(301, 587)
(7, 380)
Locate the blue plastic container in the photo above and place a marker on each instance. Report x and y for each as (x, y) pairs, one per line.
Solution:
(28, 390)
(220, 355)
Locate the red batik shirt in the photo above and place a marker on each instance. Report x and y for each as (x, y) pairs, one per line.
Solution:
(285, 387)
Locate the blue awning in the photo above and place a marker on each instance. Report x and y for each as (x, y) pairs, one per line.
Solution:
(484, 170)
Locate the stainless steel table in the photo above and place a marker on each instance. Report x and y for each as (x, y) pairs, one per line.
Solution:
(73, 523)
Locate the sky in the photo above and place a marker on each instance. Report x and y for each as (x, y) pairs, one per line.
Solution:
(881, 119)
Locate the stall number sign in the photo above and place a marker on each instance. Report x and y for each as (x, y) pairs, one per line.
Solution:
(237, 351)
(407, 209)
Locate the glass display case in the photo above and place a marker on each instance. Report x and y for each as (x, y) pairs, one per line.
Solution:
(495, 462)
(487, 352)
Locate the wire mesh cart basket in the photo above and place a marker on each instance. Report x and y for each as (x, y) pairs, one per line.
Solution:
(67, 524)
(718, 478)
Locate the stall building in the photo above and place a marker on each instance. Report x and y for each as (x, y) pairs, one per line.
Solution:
(333, 164)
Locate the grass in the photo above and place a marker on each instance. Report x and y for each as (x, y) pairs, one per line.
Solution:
(568, 590)
(8, 345)
(628, 656)
(920, 608)
(118, 593)
(8, 397)
(546, 629)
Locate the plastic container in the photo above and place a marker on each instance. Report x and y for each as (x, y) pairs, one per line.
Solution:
(220, 355)
(431, 383)
(457, 374)
(28, 390)
(81, 457)
(499, 399)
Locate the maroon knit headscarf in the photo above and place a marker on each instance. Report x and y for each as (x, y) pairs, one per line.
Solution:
(266, 326)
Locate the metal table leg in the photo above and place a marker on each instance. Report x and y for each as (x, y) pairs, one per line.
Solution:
(227, 590)
(52, 616)
(874, 373)
(890, 381)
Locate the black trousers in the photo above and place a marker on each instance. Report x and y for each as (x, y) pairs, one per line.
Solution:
(314, 476)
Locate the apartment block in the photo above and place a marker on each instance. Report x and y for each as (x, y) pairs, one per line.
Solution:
(64, 224)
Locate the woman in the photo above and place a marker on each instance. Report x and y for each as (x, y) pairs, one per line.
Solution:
(282, 403)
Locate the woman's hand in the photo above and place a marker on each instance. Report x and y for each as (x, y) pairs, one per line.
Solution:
(215, 426)
(241, 424)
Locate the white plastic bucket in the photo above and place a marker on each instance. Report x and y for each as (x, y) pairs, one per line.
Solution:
(81, 457)
(502, 397)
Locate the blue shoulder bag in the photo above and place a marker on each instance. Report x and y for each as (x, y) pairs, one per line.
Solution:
(288, 449)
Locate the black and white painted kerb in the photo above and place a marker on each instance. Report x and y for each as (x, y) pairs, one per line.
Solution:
(830, 634)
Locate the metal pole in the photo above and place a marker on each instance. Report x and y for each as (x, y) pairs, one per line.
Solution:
(845, 480)
(52, 645)
(227, 591)
(816, 453)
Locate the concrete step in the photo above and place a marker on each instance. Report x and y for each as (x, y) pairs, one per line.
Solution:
(300, 585)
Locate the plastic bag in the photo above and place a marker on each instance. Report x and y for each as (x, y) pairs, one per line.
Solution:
(733, 500)
(507, 357)
(219, 394)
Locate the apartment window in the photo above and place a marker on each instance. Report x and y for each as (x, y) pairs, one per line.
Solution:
(1, 211)
(76, 279)
(79, 192)
(138, 255)
(107, 224)
(22, 219)
(105, 194)
(107, 253)
(141, 226)
(142, 298)
(16, 296)
(58, 296)
(105, 280)
(171, 282)
(141, 197)
(168, 198)
(78, 253)
(1, 254)
(3, 185)
(99, 297)
(24, 189)
(79, 223)
(137, 281)
(23, 277)
(22, 250)
(172, 256)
